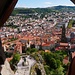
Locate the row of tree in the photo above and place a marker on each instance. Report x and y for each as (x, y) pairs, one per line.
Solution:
(53, 61)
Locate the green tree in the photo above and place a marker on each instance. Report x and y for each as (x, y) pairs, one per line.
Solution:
(70, 23)
(30, 51)
(33, 50)
(53, 63)
(14, 61)
(47, 69)
(58, 63)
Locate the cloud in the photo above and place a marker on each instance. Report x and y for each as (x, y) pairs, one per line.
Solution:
(69, 4)
(21, 5)
(47, 3)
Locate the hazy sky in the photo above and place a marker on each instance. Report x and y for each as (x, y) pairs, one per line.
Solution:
(43, 3)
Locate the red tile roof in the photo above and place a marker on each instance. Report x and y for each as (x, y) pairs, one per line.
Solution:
(64, 44)
(45, 44)
(65, 60)
(73, 54)
(9, 59)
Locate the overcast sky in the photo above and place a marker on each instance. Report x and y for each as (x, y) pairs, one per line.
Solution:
(42, 3)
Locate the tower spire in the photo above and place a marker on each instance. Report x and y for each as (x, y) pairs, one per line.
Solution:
(63, 37)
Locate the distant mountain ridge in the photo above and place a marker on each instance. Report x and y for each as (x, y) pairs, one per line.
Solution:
(44, 10)
(60, 6)
(63, 8)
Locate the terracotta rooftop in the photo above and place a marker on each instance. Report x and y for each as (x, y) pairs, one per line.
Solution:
(64, 44)
(65, 60)
(9, 59)
(47, 51)
(73, 54)
(48, 43)
(57, 48)
(73, 46)
(45, 44)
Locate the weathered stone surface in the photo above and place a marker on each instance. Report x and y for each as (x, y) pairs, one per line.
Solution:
(73, 1)
(6, 70)
(2, 55)
(6, 8)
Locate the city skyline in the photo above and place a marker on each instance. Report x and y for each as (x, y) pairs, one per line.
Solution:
(43, 3)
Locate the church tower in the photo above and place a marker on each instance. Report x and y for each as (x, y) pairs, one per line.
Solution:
(63, 36)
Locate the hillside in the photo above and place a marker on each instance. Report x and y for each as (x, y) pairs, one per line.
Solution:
(64, 8)
(43, 10)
